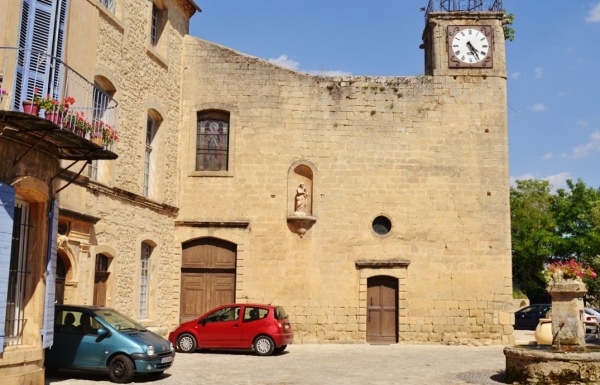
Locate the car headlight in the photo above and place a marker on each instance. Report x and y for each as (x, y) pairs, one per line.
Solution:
(150, 350)
(171, 346)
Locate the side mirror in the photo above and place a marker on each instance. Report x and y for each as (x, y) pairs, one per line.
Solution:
(203, 322)
(103, 332)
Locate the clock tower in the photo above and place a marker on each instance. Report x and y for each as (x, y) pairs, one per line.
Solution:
(464, 39)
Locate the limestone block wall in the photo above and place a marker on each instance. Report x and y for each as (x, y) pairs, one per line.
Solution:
(430, 153)
(146, 80)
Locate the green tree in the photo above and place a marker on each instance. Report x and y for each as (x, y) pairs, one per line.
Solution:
(577, 214)
(532, 230)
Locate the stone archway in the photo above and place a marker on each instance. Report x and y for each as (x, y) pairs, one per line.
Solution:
(208, 273)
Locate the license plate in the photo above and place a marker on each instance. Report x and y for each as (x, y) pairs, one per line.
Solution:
(165, 360)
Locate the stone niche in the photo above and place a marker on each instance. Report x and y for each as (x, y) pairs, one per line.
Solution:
(300, 216)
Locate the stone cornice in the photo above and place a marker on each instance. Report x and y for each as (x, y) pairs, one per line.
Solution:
(98, 188)
(215, 224)
(189, 7)
(382, 263)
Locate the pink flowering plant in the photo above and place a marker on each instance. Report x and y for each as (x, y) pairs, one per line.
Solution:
(557, 271)
(49, 103)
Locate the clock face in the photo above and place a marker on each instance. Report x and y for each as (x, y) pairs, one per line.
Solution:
(469, 46)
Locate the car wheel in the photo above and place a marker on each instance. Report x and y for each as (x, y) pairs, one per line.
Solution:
(264, 346)
(279, 349)
(121, 369)
(186, 343)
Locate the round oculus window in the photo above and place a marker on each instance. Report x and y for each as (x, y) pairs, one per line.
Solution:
(382, 225)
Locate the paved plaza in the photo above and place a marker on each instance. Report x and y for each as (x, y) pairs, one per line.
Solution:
(328, 364)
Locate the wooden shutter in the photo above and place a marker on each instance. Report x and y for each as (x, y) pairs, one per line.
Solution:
(7, 210)
(48, 327)
(42, 30)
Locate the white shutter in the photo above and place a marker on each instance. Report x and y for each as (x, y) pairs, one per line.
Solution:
(7, 212)
(48, 327)
(42, 32)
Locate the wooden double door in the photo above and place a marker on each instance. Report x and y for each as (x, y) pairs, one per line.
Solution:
(207, 276)
(382, 310)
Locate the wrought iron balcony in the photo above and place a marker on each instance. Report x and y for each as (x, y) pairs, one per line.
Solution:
(463, 6)
(47, 104)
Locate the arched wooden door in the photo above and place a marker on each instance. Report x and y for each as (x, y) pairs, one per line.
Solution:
(207, 276)
(382, 310)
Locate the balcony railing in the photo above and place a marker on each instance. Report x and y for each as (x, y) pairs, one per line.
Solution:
(33, 82)
(463, 5)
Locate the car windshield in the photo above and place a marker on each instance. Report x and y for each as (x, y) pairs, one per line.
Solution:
(118, 320)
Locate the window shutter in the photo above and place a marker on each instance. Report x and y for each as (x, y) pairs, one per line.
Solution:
(7, 210)
(41, 32)
(48, 327)
(58, 47)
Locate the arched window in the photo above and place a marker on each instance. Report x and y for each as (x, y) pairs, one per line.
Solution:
(212, 141)
(103, 115)
(144, 288)
(153, 121)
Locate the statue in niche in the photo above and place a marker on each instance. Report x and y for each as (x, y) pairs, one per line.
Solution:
(301, 200)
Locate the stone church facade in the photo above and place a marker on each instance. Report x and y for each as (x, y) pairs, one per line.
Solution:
(374, 209)
(426, 156)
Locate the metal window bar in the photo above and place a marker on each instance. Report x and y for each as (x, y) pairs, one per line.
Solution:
(109, 4)
(101, 262)
(93, 112)
(154, 26)
(17, 276)
(212, 143)
(15, 338)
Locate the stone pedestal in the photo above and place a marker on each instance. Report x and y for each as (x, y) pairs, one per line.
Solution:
(568, 360)
(567, 314)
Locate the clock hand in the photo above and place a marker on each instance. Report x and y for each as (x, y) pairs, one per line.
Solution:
(473, 50)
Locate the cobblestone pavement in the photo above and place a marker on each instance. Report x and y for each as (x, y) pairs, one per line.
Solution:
(328, 364)
(324, 364)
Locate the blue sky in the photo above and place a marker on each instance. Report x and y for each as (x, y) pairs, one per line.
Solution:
(553, 64)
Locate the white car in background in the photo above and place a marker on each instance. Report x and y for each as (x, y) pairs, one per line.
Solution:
(592, 320)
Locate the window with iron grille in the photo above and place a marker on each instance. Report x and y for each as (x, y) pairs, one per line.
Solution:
(154, 26)
(144, 281)
(212, 141)
(101, 263)
(157, 24)
(15, 304)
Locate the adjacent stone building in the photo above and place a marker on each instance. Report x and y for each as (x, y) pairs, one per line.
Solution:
(374, 209)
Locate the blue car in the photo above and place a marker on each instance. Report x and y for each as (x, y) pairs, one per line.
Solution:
(102, 339)
(528, 317)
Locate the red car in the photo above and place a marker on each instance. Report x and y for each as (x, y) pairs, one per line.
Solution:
(263, 328)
